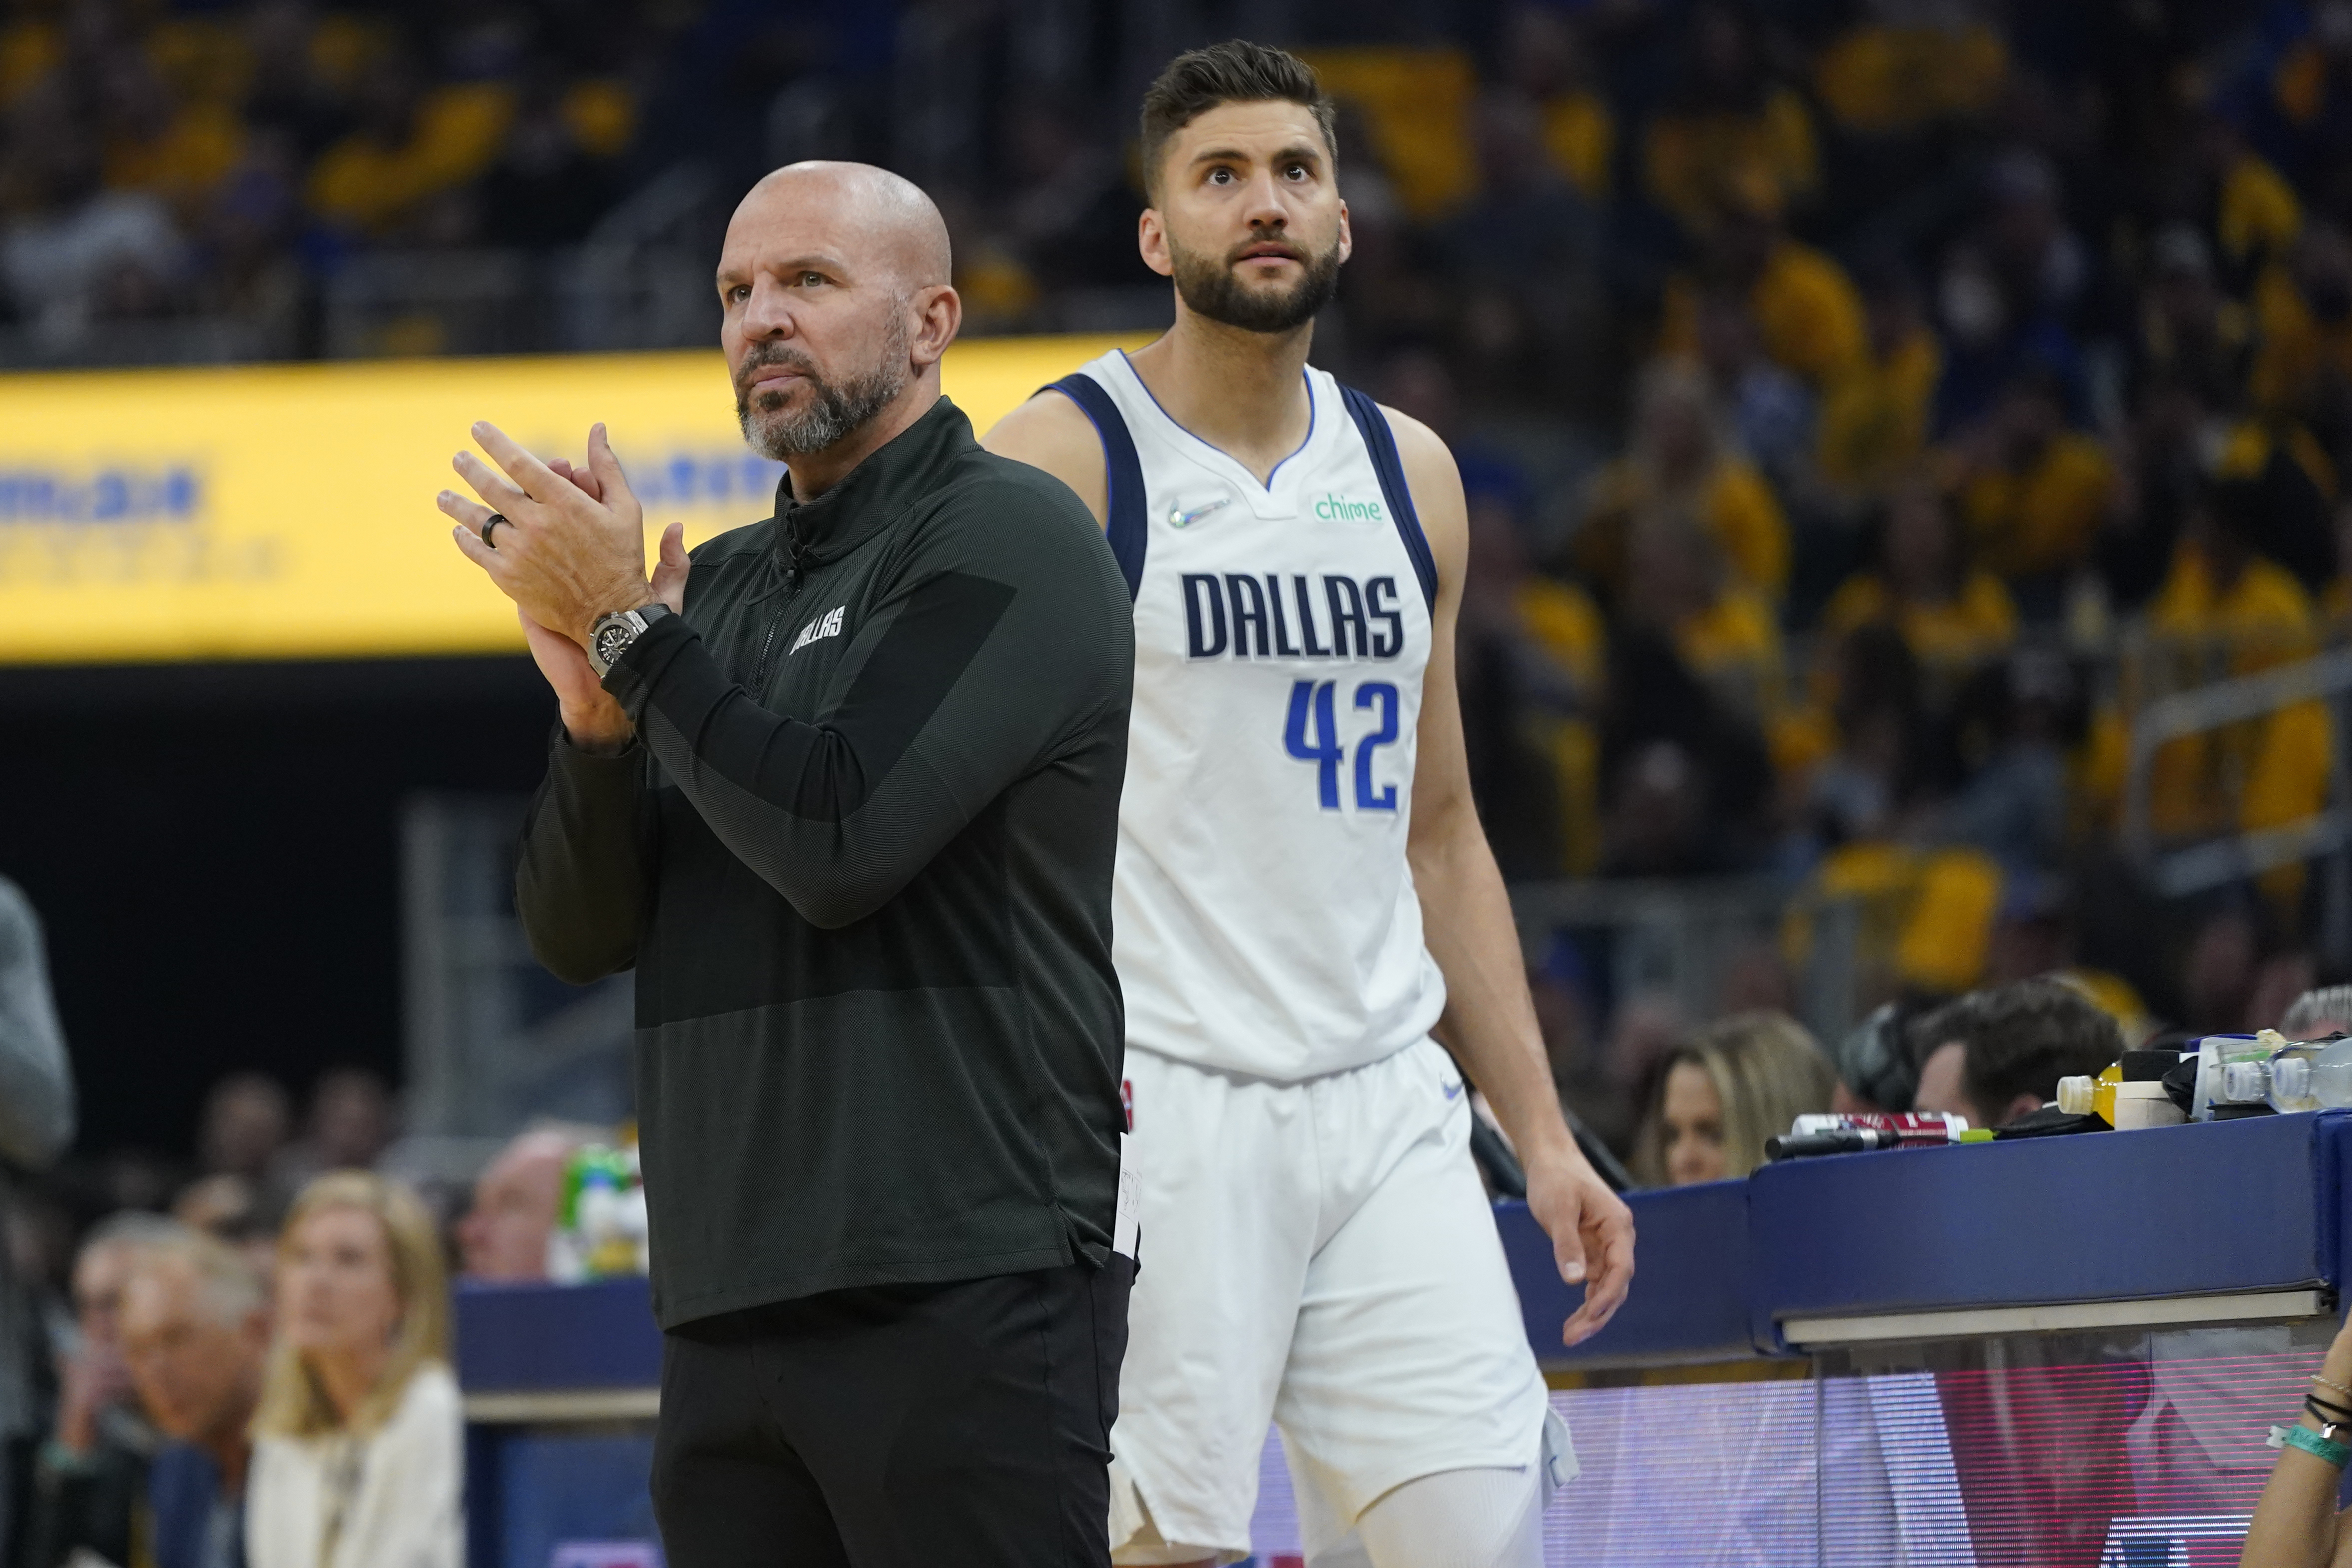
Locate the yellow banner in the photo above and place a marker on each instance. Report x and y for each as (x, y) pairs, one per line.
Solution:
(285, 511)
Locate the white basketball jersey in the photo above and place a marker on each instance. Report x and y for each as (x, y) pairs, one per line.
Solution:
(1265, 920)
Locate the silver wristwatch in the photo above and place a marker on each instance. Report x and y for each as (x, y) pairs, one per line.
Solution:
(612, 634)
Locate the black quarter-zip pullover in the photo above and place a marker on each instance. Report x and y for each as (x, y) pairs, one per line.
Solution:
(860, 859)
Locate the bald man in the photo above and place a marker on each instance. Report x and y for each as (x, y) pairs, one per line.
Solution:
(842, 787)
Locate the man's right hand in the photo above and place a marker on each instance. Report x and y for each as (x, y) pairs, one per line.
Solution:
(595, 722)
(88, 1383)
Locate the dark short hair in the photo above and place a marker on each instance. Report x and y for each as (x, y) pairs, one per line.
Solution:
(1236, 71)
(2021, 1038)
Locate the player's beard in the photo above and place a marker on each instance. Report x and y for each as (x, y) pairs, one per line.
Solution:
(1212, 286)
(830, 411)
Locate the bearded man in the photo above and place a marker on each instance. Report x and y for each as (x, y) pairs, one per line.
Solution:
(842, 787)
(1305, 904)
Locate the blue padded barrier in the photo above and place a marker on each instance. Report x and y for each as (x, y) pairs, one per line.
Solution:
(2169, 1211)
(514, 1337)
(1687, 1303)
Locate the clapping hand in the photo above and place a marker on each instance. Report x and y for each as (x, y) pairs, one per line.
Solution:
(570, 549)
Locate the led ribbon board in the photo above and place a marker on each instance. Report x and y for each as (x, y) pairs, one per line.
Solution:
(285, 511)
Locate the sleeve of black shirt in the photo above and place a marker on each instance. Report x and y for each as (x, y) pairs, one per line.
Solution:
(1002, 633)
(580, 880)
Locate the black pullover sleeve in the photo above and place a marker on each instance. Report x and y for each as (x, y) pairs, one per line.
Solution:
(993, 641)
(580, 880)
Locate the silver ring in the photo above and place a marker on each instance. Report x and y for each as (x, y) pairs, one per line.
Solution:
(490, 522)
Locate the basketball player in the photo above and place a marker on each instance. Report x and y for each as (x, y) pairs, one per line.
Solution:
(1303, 895)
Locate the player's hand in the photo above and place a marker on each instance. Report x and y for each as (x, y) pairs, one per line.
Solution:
(1591, 1233)
(592, 716)
(565, 555)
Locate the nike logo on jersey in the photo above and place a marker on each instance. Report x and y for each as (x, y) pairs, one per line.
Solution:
(1274, 617)
(826, 625)
(1453, 1090)
(1178, 518)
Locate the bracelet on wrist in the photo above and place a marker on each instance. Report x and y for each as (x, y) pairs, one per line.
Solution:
(2326, 1449)
(2327, 1382)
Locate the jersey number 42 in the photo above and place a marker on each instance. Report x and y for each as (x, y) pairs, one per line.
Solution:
(1312, 735)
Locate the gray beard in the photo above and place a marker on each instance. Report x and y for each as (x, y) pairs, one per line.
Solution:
(832, 413)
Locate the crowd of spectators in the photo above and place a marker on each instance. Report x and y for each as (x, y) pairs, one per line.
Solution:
(1865, 405)
(248, 1363)
(163, 160)
(1992, 1056)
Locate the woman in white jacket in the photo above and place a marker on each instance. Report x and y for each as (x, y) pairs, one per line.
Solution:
(359, 1443)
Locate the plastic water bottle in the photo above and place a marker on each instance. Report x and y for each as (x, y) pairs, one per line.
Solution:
(2314, 1075)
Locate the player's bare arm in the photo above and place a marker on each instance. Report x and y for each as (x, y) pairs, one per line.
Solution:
(1490, 1020)
(1052, 433)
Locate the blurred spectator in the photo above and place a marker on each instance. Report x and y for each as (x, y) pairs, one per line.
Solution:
(1806, 310)
(1876, 1070)
(1875, 771)
(244, 1124)
(2043, 268)
(76, 252)
(1874, 417)
(1953, 617)
(1679, 459)
(2279, 979)
(555, 176)
(348, 1127)
(1766, 409)
(2230, 610)
(2303, 321)
(235, 1211)
(1996, 1054)
(2217, 975)
(2324, 1010)
(412, 144)
(1727, 124)
(1526, 245)
(1645, 1029)
(1528, 656)
(504, 1234)
(2016, 722)
(1545, 58)
(37, 1122)
(1724, 631)
(1736, 1082)
(195, 1332)
(358, 1456)
(2191, 330)
(1900, 69)
(1685, 779)
(93, 1469)
(2032, 492)
(1072, 222)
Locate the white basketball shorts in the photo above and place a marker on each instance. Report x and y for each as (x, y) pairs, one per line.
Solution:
(1320, 1254)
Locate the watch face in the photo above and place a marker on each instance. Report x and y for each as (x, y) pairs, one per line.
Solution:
(612, 642)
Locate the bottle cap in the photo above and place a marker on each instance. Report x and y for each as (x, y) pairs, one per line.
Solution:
(2244, 1083)
(2074, 1096)
(2291, 1078)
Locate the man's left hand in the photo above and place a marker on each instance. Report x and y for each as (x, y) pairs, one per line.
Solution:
(1591, 1233)
(568, 550)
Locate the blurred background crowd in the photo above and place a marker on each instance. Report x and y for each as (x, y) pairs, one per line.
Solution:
(1907, 444)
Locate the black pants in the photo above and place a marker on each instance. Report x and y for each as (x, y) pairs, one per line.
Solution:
(895, 1426)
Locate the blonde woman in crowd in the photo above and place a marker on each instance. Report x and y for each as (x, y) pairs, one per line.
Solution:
(359, 1443)
(1728, 1088)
